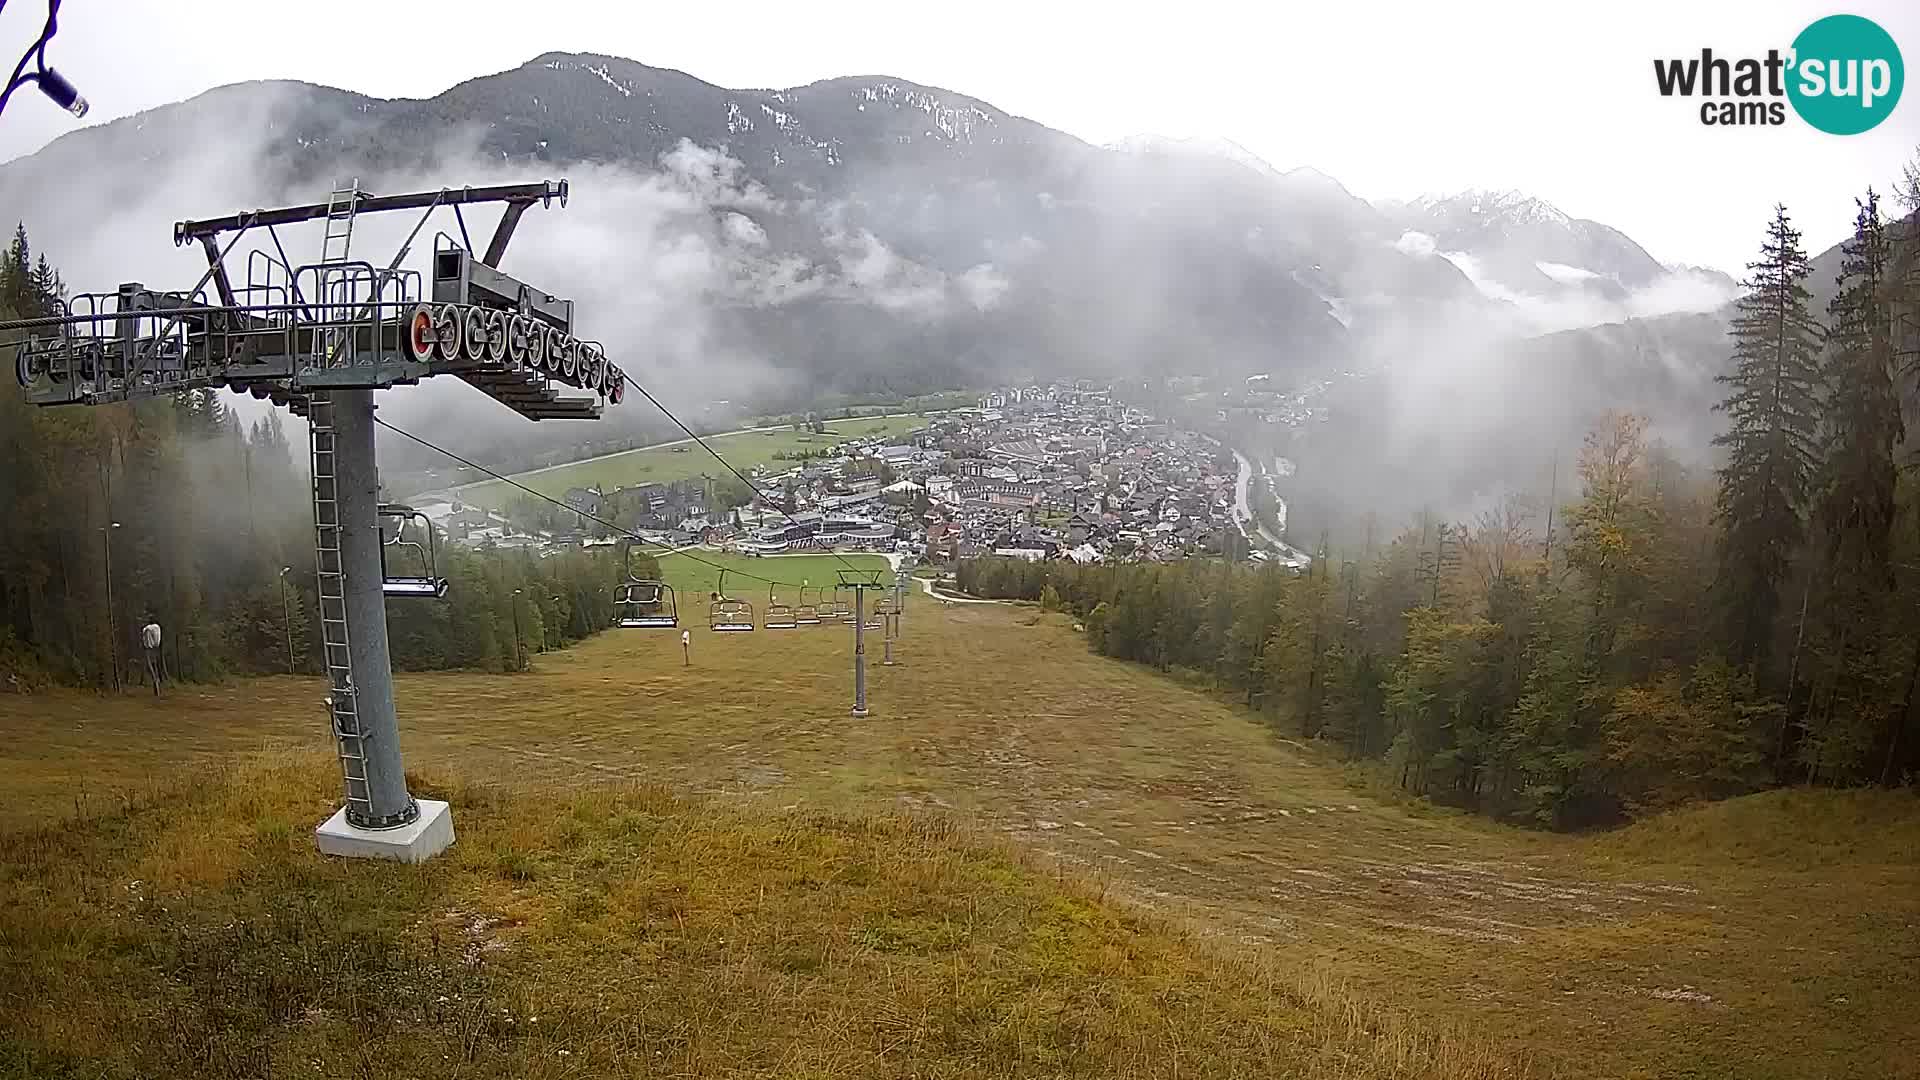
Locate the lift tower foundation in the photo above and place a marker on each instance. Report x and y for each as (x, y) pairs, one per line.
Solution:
(320, 339)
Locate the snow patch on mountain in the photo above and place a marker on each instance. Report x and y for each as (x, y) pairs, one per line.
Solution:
(601, 70)
(955, 123)
(781, 118)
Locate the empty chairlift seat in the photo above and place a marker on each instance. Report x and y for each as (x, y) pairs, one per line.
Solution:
(644, 605)
(727, 613)
(805, 614)
(778, 616)
(408, 554)
(839, 607)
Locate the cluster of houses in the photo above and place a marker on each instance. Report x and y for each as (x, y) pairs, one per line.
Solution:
(1031, 472)
(1068, 472)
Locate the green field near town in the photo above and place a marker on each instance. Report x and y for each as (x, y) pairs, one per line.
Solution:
(694, 575)
(664, 464)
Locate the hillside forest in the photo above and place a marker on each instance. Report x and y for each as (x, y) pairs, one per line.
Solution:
(1672, 632)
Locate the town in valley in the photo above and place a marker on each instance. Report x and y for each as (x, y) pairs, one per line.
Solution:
(1031, 472)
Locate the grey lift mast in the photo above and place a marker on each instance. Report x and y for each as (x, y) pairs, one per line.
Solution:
(320, 339)
(860, 581)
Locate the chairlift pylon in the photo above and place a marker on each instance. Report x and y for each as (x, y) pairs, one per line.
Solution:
(727, 613)
(642, 603)
(410, 554)
(778, 616)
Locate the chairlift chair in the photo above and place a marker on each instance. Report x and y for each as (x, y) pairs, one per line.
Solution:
(727, 613)
(805, 614)
(642, 603)
(408, 554)
(839, 607)
(779, 616)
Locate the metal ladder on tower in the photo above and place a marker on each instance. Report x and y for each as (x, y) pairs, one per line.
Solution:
(336, 641)
(336, 282)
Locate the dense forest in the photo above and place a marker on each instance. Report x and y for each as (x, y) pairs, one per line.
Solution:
(1674, 632)
(176, 510)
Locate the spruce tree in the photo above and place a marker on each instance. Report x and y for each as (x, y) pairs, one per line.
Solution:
(1855, 508)
(16, 275)
(1862, 421)
(1771, 442)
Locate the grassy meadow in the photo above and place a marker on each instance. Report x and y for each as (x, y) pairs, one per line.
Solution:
(1028, 859)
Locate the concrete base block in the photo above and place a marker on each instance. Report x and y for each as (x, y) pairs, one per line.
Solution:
(430, 834)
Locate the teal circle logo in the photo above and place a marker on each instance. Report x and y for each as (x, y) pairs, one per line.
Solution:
(1846, 74)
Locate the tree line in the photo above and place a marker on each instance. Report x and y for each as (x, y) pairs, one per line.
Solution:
(1674, 632)
(174, 509)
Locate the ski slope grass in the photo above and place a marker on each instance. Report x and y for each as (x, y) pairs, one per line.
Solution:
(831, 896)
(684, 460)
(622, 931)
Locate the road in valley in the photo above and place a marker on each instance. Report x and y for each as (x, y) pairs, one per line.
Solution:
(1243, 513)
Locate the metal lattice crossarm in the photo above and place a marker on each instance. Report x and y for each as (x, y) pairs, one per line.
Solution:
(338, 324)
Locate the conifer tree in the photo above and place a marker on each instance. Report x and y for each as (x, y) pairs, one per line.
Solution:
(1855, 507)
(1771, 442)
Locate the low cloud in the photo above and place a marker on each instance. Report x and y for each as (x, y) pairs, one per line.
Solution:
(1417, 244)
(1572, 304)
(983, 286)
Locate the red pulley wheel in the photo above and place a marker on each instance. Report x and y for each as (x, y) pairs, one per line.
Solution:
(420, 334)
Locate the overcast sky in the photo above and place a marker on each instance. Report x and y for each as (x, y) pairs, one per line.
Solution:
(1394, 100)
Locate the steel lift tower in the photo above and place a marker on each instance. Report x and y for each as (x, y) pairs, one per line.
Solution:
(321, 339)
